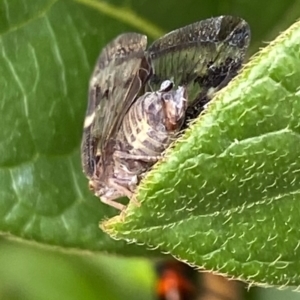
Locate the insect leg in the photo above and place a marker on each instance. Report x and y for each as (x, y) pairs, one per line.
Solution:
(113, 203)
(144, 158)
(114, 182)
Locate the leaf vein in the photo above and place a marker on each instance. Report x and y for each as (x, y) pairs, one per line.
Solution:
(126, 16)
(79, 44)
(73, 173)
(57, 55)
(40, 15)
(36, 65)
(17, 78)
(6, 10)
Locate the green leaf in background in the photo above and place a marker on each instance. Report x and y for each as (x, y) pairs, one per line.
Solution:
(35, 273)
(48, 49)
(226, 197)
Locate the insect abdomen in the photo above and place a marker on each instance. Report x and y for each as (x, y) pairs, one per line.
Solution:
(142, 131)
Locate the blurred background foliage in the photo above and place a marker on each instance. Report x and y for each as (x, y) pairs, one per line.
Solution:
(29, 271)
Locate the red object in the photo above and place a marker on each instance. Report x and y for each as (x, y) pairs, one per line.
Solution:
(176, 281)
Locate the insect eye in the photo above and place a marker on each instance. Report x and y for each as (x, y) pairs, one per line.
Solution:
(167, 97)
(166, 86)
(106, 94)
(97, 159)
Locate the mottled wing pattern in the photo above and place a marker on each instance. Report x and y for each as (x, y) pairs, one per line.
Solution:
(202, 56)
(121, 70)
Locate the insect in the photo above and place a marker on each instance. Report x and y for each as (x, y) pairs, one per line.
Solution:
(140, 99)
(178, 281)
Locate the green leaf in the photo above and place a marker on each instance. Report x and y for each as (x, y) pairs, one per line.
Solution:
(32, 273)
(47, 56)
(226, 197)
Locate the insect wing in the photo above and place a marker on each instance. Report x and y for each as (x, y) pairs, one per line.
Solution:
(120, 72)
(203, 55)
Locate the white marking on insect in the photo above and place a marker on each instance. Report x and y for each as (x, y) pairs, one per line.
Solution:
(89, 120)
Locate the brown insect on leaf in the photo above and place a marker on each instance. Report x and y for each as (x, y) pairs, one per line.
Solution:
(140, 99)
(203, 56)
